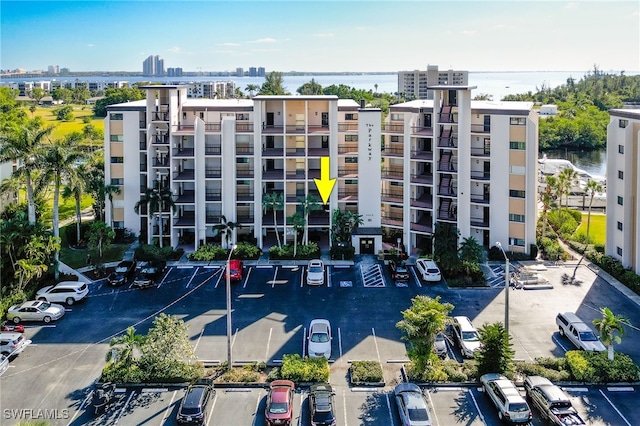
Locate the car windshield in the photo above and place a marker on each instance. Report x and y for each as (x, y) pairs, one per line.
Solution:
(278, 408)
(588, 336)
(44, 306)
(315, 269)
(518, 407)
(418, 414)
(470, 336)
(433, 271)
(121, 269)
(319, 337)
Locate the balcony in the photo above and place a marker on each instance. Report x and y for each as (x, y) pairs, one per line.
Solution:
(295, 152)
(348, 149)
(446, 115)
(244, 149)
(318, 152)
(424, 178)
(318, 129)
(479, 222)
(163, 161)
(161, 139)
(183, 129)
(448, 190)
(348, 126)
(447, 165)
(348, 195)
(480, 152)
(273, 152)
(186, 197)
(422, 155)
(213, 173)
(244, 127)
(421, 131)
(213, 217)
(271, 129)
(480, 175)
(293, 198)
(347, 172)
(425, 201)
(185, 219)
(183, 152)
(245, 217)
(160, 115)
(480, 198)
(186, 174)
(390, 219)
(391, 197)
(296, 175)
(244, 195)
(448, 211)
(319, 218)
(213, 195)
(143, 167)
(480, 128)
(273, 174)
(392, 173)
(392, 128)
(295, 128)
(213, 149)
(390, 151)
(245, 172)
(448, 139)
(424, 224)
(267, 219)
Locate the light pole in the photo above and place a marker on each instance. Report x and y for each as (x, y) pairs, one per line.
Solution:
(228, 272)
(506, 288)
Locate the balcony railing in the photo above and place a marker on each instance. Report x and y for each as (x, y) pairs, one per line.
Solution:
(160, 116)
(392, 173)
(183, 152)
(480, 175)
(480, 128)
(244, 149)
(480, 152)
(347, 195)
(448, 191)
(245, 173)
(319, 218)
(479, 222)
(424, 225)
(161, 139)
(388, 219)
(186, 174)
(296, 174)
(161, 162)
(447, 166)
(392, 152)
(426, 178)
(318, 152)
(422, 155)
(273, 152)
(347, 172)
(448, 215)
(187, 196)
(295, 128)
(422, 131)
(322, 129)
(245, 217)
(185, 219)
(392, 128)
(448, 142)
(213, 195)
(273, 174)
(391, 197)
(212, 149)
(424, 201)
(479, 198)
(212, 173)
(295, 152)
(347, 127)
(213, 218)
(348, 149)
(244, 127)
(313, 174)
(212, 127)
(270, 128)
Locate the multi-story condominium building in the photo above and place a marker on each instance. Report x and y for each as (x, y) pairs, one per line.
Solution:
(174, 72)
(261, 72)
(153, 66)
(253, 72)
(471, 164)
(623, 187)
(414, 84)
(239, 72)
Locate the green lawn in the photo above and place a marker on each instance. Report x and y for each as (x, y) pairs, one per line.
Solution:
(63, 128)
(77, 258)
(597, 229)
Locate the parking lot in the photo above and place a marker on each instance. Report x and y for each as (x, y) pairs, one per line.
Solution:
(272, 308)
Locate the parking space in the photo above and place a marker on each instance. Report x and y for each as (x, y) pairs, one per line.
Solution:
(452, 405)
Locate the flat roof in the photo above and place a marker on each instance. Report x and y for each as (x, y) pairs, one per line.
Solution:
(165, 86)
(451, 87)
(125, 106)
(296, 97)
(632, 113)
(477, 107)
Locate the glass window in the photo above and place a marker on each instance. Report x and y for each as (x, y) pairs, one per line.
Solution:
(351, 138)
(619, 251)
(516, 193)
(397, 117)
(620, 174)
(517, 170)
(117, 160)
(623, 123)
(619, 226)
(117, 181)
(351, 160)
(116, 138)
(516, 242)
(517, 145)
(518, 121)
(516, 217)
(351, 116)
(620, 200)
(620, 149)
(115, 117)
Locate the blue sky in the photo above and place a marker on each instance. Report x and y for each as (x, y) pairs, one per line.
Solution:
(322, 35)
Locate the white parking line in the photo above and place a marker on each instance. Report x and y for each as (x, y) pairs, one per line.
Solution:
(198, 341)
(165, 276)
(386, 395)
(235, 334)
(473, 398)
(558, 342)
(435, 415)
(121, 412)
(301, 277)
(257, 405)
(339, 342)
(192, 277)
(219, 279)
(275, 275)
(266, 352)
(300, 412)
(304, 341)
(413, 270)
(329, 276)
(211, 410)
(344, 406)
(376, 342)
(246, 279)
(615, 408)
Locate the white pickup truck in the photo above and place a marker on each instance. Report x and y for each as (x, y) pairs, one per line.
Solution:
(578, 332)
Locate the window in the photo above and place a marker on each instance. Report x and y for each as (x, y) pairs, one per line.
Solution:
(117, 160)
(397, 117)
(517, 170)
(620, 149)
(351, 116)
(619, 226)
(117, 181)
(516, 193)
(242, 160)
(351, 138)
(118, 224)
(518, 121)
(351, 182)
(115, 117)
(623, 123)
(620, 174)
(517, 145)
(516, 242)
(619, 251)
(202, 116)
(620, 200)
(395, 138)
(516, 217)
(242, 116)
(351, 160)
(116, 138)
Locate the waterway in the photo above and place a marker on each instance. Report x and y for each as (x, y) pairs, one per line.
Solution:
(594, 162)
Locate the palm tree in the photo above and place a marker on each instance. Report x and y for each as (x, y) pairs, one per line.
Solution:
(127, 346)
(611, 329)
(547, 200)
(75, 188)
(591, 189)
(567, 179)
(37, 251)
(297, 222)
(157, 201)
(252, 88)
(309, 204)
(24, 146)
(274, 201)
(227, 227)
(58, 166)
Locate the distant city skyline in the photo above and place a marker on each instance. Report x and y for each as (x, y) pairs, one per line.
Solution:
(321, 36)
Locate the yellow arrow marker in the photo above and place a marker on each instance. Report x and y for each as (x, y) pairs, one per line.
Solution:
(324, 184)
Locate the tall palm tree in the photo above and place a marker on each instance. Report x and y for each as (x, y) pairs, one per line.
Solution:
(75, 188)
(592, 188)
(24, 146)
(567, 179)
(547, 199)
(227, 227)
(297, 221)
(58, 166)
(127, 346)
(274, 201)
(252, 88)
(157, 202)
(611, 329)
(310, 204)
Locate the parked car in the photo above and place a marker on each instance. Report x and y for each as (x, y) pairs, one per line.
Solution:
(440, 345)
(235, 268)
(315, 272)
(35, 310)
(466, 335)
(4, 364)
(148, 273)
(399, 270)
(322, 405)
(68, 292)
(579, 333)
(428, 270)
(193, 406)
(279, 408)
(123, 271)
(11, 344)
(551, 402)
(319, 340)
(504, 395)
(412, 407)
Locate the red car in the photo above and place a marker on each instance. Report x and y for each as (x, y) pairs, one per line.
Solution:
(279, 410)
(235, 266)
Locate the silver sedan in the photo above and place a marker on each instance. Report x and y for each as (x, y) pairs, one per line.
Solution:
(35, 310)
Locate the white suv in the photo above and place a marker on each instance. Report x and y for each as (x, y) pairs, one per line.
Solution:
(11, 344)
(68, 292)
(505, 396)
(428, 270)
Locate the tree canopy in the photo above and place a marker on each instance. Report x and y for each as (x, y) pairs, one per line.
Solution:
(116, 96)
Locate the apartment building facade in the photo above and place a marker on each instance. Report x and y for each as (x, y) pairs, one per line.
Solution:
(472, 164)
(415, 84)
(623, 187)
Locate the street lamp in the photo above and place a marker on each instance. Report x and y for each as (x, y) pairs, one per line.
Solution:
(506, 288)
(228, 272)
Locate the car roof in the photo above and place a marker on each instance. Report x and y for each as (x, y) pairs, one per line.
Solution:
(315, 262)
(280, 392)
(553, 393)
(10, 335)
(194, 395)
(319, 321)
(537, 380)
(73, 284)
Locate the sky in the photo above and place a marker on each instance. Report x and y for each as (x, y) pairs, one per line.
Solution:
(323, 36)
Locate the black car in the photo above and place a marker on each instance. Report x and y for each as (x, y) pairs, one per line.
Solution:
(123, 271)
(148, 273)
(194, 404)
(399, 270)
(322, 405)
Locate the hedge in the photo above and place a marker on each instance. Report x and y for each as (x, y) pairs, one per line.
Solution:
(595, 367)
(298, 369)
(366, 372)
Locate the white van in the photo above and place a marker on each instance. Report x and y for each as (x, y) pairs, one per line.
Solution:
(428, 270)
(466, 335)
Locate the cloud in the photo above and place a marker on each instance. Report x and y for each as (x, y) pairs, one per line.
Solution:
(323, 35)
(90, 45)
(571, 5)
(264, 40)
(174, 49)
(229, 44)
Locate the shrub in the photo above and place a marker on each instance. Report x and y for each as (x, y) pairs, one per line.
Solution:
(439, 370)
(342, 253)
(537, 369)
(245, 374)
(246, 251)
(149, 252)
(595, 367)
(297, 369)
(366, 371)
(13, 298)
(209, 252)
(310, 251)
